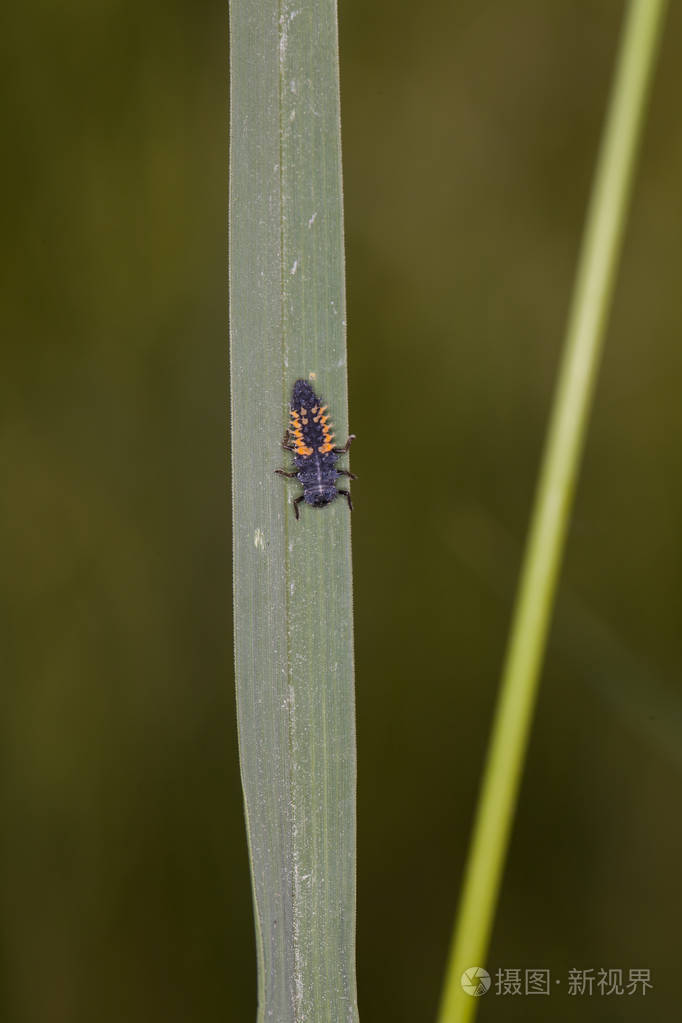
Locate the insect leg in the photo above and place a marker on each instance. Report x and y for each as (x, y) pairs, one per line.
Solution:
(346, 495)
(289, 475)
(344, 449)
(296, 504)
(344, 472)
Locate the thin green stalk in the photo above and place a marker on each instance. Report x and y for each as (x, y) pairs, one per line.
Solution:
(293, 612)
(585, 332)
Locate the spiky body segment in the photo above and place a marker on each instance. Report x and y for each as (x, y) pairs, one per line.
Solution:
(310, 437)
(309, 427)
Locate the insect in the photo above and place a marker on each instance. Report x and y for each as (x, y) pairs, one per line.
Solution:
(309, 436)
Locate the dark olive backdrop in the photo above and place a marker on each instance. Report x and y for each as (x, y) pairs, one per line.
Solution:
(469, 140)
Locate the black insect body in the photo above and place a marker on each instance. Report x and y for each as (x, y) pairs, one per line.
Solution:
(309, 436)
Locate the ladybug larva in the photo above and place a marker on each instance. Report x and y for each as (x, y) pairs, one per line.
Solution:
(310, 438)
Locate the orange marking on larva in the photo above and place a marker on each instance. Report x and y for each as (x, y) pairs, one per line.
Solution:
(315, 410)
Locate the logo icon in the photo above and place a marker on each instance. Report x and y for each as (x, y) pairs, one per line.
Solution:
(475, 981)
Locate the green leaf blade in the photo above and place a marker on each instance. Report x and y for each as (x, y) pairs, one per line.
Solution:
(293, 604)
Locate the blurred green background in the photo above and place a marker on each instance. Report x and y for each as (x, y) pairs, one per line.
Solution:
(470, 132)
